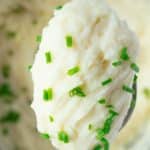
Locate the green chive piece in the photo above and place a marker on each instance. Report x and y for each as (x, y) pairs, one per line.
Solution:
(38, 38)
(109, 80)
(10, 117)
(102, 101)
(77, 91)
(59, 7)
(135, 78)
(5, 131)
(100, 133)
(124, 54)
(29, 67)
(117, 63)
(11, 34)
(69, 41)
(63, 136)
(18, 9)
(146, 92)
(45, 135)
(90, 126)
(97, 147)
(105, 143)
(73, 70)
(51, 118)
(127, 89)
(5, 90)
(134, 67)
(48, 57)
(110, 106)
(113, 113)
(48, 94)
(6, 71)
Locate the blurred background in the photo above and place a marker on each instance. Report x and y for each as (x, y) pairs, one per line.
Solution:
(20, 22)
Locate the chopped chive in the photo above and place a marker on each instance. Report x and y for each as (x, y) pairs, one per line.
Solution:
(97, 147)
(5, 131)
(109, 80)
(38, 38)
(29, 67)
(63, 136)
(124, 54)
(135, 78)
(59, 7)
(127, 89)
(77, 91)
(10, 117)
(18, 9)
(48, 57)
(90, 126)
(6, 71)
(100, 133)
(73, 70)
(5, 90)
(102, 101)
(48, 94)
(69, 41)
(11, 34)
(116, 63)
(113, 113)
(51, 118)
(110, 106)
(134, 67)
(45, 135)
(105, 143)
(146, 92)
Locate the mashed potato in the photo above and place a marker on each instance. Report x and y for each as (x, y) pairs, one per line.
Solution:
(83, 74)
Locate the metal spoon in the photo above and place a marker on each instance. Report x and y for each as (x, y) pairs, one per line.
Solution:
(132, 104)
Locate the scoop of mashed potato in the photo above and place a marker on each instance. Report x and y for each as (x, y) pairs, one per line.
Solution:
(83, 74)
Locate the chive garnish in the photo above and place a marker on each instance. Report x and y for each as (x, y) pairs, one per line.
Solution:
(77, 91)
(18, 9)
(134, 67)
(63, 136)
(51, 118)
(105, 82)
(5, 131)
(6, 71)
(38, 38)
(109, 106)
(48, 94)
(73, 71)
(69, 41)
(102, 101)
(135, 78)
(29, 67)
(97, 147)
(105, 143)
(116, 63)
(48, 57)
(10, 117)
(101, 132)
(59, 7)
(127, 89)
(11, 34)
(146, 92)
(5, 90)
(45, 135)
(124, 54)
(90, 126)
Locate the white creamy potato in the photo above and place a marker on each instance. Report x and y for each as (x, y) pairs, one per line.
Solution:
(83, 75)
